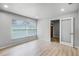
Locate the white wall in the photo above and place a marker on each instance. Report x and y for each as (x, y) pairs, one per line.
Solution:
(77, 30)
(5, 24)
(43, 30)
(44, 27)
(5, 31)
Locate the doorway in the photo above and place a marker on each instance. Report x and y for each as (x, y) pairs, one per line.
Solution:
(62, 31)
(55, 24)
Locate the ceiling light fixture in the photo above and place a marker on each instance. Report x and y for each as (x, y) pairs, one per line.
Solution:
(62, 9)
(22, 9)
(36, 17)
(6, 6)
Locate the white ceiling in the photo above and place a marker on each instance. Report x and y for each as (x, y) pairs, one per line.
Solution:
(39, 10)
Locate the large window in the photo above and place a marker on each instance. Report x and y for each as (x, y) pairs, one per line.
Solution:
(23, 28)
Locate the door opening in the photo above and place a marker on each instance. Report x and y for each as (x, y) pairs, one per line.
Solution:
(55, 24)
(67, 31)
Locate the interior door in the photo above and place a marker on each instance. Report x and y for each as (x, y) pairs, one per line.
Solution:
(66, 31)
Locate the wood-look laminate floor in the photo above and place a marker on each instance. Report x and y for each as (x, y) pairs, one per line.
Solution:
(55, 39)
(40, 48)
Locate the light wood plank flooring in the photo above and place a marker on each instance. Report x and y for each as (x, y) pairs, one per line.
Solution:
(40, 48)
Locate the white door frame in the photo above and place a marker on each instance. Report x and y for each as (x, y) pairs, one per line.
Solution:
(72, 31)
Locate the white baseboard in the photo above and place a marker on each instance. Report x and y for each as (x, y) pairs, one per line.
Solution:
(18, 41)
(65, 43)
(76, 47)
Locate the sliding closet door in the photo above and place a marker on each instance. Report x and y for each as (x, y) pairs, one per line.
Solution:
(67, 31)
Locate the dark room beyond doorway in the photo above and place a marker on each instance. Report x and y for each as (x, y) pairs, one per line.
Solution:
(55, 30)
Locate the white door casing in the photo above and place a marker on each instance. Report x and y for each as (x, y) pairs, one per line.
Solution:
(67, 31)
